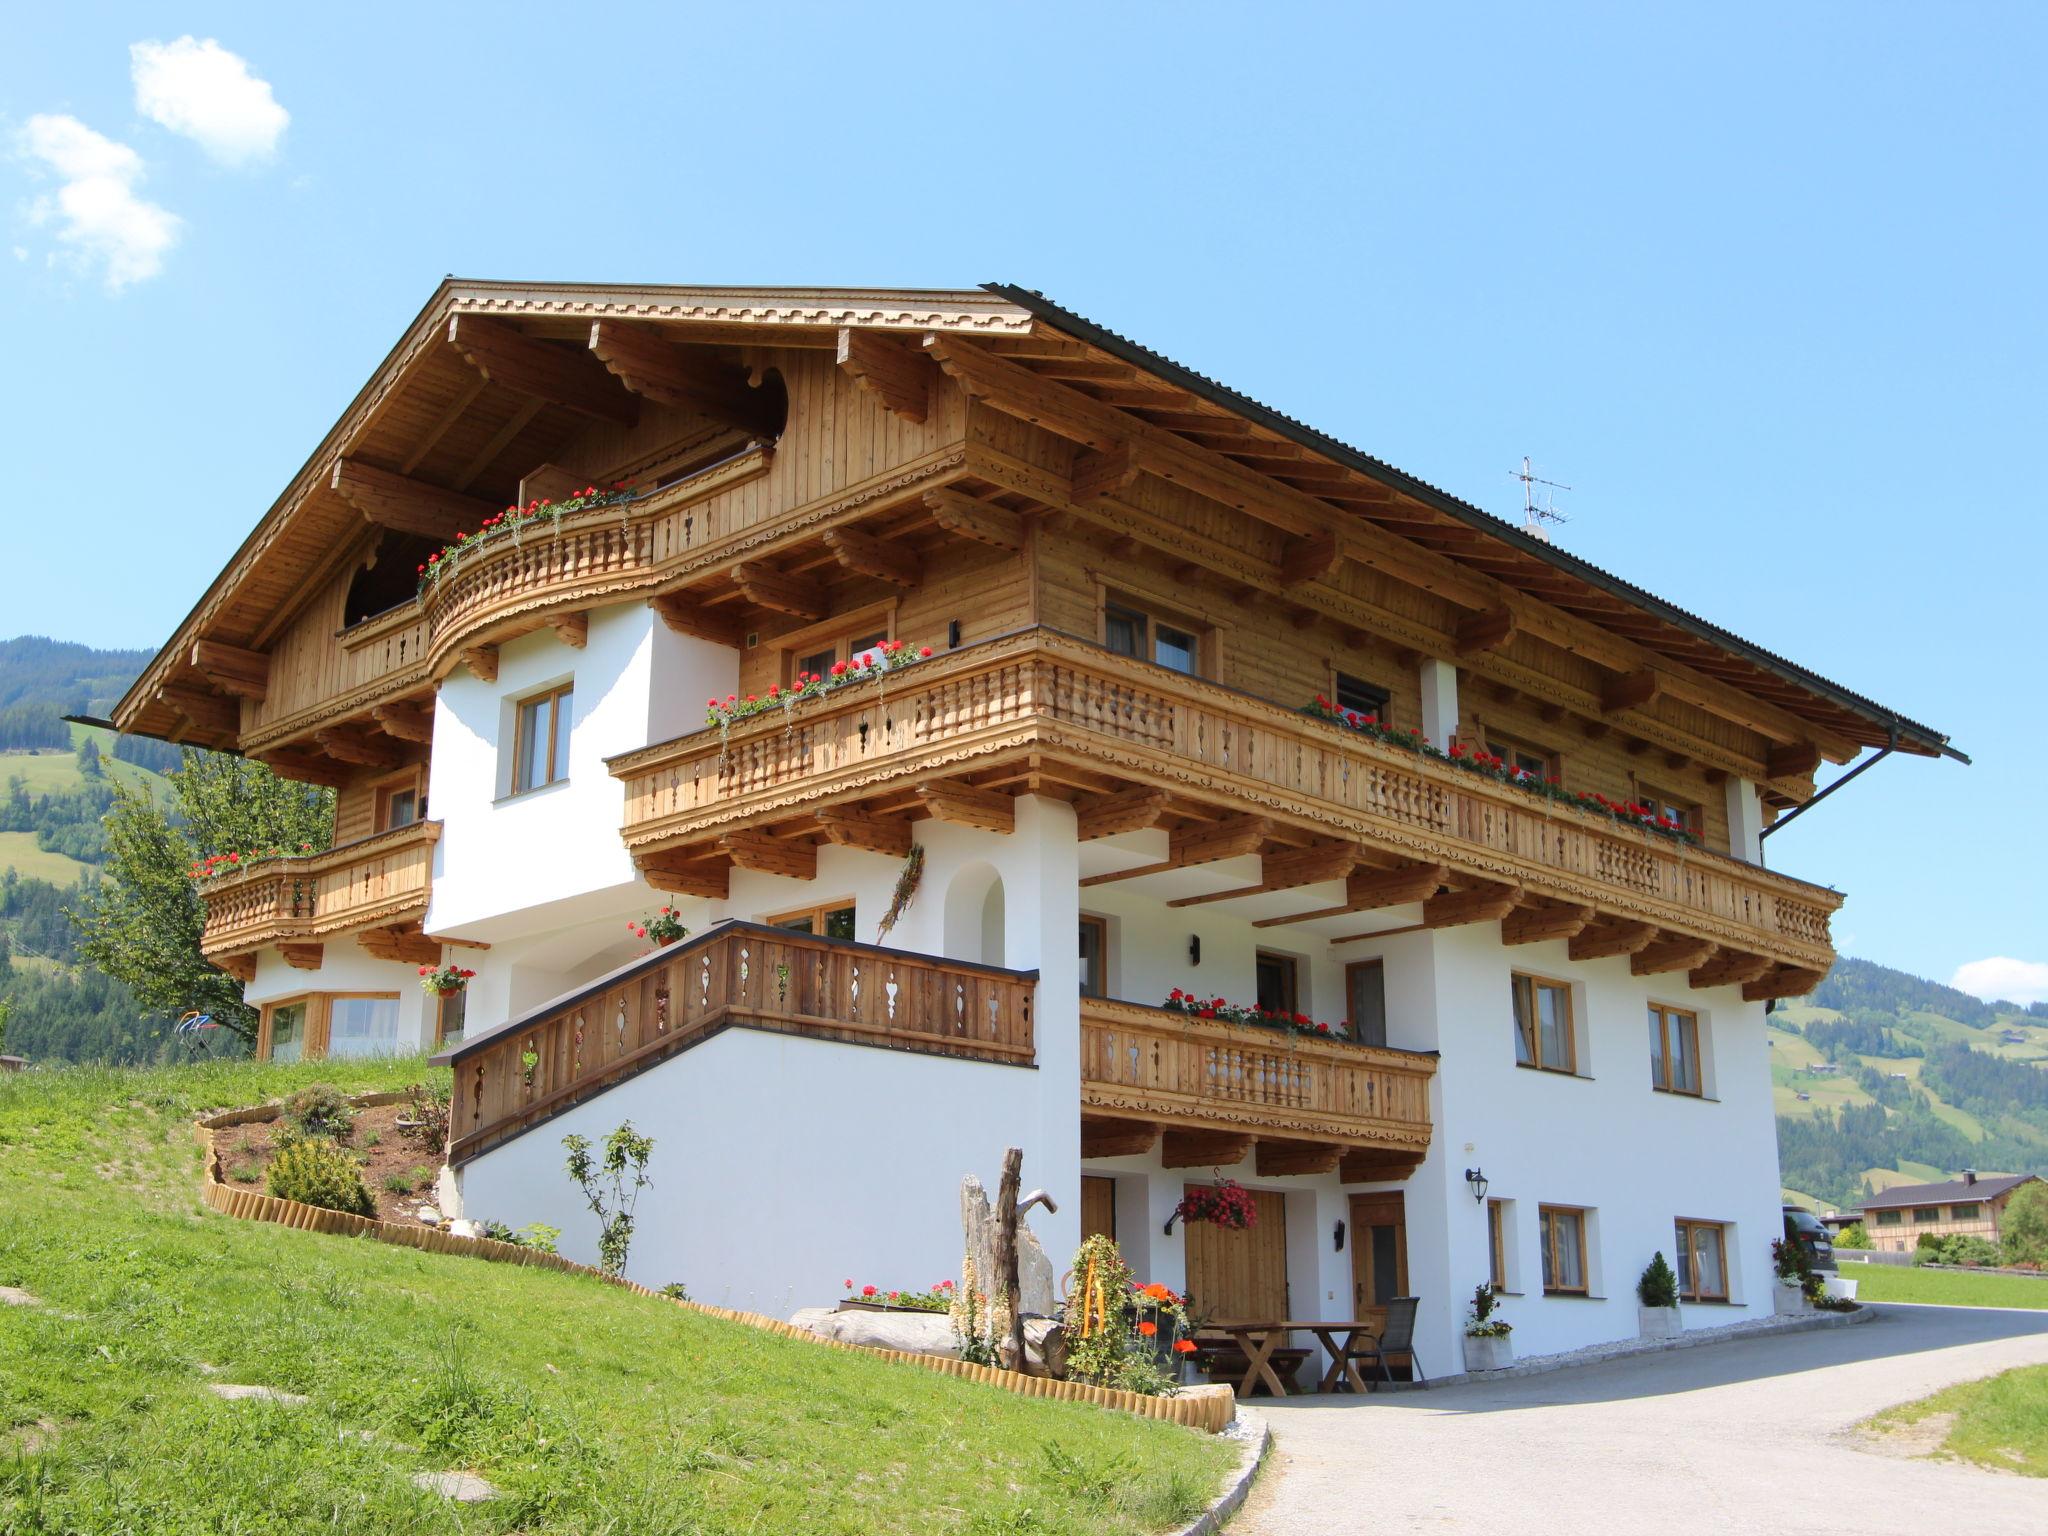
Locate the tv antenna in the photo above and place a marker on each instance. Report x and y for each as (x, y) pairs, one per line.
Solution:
(1536, 513)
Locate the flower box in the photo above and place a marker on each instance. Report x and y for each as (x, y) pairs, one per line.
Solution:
(1494, 1353)
(1659, 1322)
(1787, 1299)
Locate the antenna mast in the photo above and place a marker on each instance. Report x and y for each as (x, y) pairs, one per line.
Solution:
(1537, 513)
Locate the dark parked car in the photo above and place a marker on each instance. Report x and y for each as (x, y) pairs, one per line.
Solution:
(1808, 1231)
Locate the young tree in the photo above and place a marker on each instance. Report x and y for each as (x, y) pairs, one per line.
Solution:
(2024, 1231)
(143, 925)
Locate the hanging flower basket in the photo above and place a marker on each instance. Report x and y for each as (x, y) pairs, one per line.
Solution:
(664, 928)
(1228, 1204)
(443, 979)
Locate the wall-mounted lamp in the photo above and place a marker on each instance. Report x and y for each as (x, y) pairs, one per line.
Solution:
(1194, 949)
(1339, 1234)
(953, 635)
(1477, 1180)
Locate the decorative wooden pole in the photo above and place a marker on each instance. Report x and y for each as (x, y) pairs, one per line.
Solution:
(1010, 1349)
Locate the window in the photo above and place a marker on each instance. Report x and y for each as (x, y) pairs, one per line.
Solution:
(1926, 1213)
(362, 1026)
(1564, 1249)
(1094, 957)
(1365, 999)
(1355, 693)
(451, 1015)
(399, 803)
(1889, 1218)
(541, 750)
(1543, 1024)
(1131, 632)
(1702, 1260)
(829, 922)
(1665, 807)
(849, 649)
(287, 1031)
(1497, 1243)
(1963, 1212)
(1279, 983)
(1523, 755)
(1674, 1050)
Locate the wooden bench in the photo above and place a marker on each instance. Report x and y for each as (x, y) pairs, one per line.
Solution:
(1222, 1358)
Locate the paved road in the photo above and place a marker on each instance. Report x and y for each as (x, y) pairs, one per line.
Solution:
(1750, 1436)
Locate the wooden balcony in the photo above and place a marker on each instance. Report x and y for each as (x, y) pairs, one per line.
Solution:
(374, 886)
(1214, 1089)
(1038, 709)
(734, 975)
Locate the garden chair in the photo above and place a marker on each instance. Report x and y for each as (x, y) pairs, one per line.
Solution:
(1396, 1338)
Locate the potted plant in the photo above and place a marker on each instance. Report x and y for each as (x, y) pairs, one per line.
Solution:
(1657, 1301)
(1487, 1345)
(871, 1298)
(664, 927)
(442, 979)
(1226, 1204)
(1798, 1286)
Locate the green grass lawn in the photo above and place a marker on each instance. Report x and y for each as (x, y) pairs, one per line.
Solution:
(1999, 1422)
(1945, 1287)
(18, 851)
(593, 1410)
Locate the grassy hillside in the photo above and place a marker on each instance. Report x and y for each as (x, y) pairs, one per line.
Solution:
(590, 1409)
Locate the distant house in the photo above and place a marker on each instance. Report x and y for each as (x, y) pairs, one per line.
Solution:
(1898, 1218)
(12, 1063)
(2012, 1037)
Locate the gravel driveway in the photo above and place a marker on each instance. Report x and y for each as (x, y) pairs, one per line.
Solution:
(1750, 1436)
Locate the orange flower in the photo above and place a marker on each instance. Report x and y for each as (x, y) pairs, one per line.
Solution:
(1148, 1329)
(1183, 1346)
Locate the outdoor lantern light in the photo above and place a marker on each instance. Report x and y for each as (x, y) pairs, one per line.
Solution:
(1477, 1180)
(1340, 1234)
(1194, 949)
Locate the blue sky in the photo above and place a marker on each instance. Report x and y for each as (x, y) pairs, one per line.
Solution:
(1761, 283)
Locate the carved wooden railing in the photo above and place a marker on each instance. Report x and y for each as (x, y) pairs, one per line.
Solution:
(1149, 1063)
(1040, 692)
(735, 974)
(372, 881)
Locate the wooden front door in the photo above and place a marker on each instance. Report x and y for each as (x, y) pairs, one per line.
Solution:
(1379, 1253)
(1098, 1206)
(1240, 1276)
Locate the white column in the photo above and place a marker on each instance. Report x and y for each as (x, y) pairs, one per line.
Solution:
(1745, 821)
(1439, 702)
(1042, 921)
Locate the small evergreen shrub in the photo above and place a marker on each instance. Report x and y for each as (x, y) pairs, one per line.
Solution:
(317, 1172)
(319, 1111)
(1658, 1286)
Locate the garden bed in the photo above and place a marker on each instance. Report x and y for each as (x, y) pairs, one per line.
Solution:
(399, 1173)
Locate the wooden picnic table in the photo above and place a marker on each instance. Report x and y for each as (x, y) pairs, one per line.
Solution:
(1258, 1340)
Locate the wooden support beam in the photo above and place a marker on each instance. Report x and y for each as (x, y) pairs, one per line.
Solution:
(981, 521)
(1117, 1138)
(1673, 952)
(1130, 810)
(1200, 843)
(1203, 1149)
(506, 355)
(780, 592)
(1677, 761)
(206, 711)
(1481, 904)
(713, 882)
(1286, 870)
(868, 556)
(241, 967)
(245, 674)
(1635, 690)
(1611, 939)
(302, 957)
(686, 616)
(1376, 1165)
(1280, 1159)
(850, 828)
(482, 661)
(1307, 559)
(1792, 762)
(1781, 981)
(688, 378)
(572, 629)
(404, 943)
(1729, 969)
(1102, 475)
(399, 502)
(1536, 925)
(898, 377)
(347, 745)
(771, 855)
(407, 722)
(1367, 890)
(305, 768)
(1487, 631)
(964, 805)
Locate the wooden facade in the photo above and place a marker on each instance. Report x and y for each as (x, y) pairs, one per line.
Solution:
(375, 887)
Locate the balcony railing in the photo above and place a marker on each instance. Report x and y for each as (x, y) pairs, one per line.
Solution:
(1040, 693)
(1152, 1064)
(735, 974)
(369, 883)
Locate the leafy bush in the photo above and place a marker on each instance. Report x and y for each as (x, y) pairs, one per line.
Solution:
(2025, 1226)
(319, 1111)
(1856, 1236)
(318, 1172)
(424, 1119)
(1958, 1248)
(1658, 1286)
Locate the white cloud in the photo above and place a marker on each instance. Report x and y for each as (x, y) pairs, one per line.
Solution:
(2002, 978)
(96, 210)
(207, 94)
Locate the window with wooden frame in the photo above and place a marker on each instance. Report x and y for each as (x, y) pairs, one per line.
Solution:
(1356, 694)
(829, 920)
(284, 1029)
(362, 1024)
(1544, 1035)
(1523, 755)
(400, 802)
(840, 641)
(1497, 1244)
(1689, 814)
(1890, 1218)
(1365, 1001)
(540, 752)
(1923, 1214)
(1674, 1050)
(1279, 982)
(1094, 956)
(1702, 1260)
(451, 1016)
(1146, 634)
(1970, 1212)
(1563, 1229)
